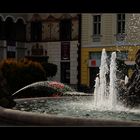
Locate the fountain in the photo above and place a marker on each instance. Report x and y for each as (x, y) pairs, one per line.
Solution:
(101, 92)
(5, 99)
(103, 108)
(132, 92)
(105, 95)
(126, 79)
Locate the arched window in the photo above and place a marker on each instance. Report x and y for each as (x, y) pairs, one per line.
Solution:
(20, 30)
(10, 37)
(65, 29)
(36, 30)
(1, 29)
(9, 29)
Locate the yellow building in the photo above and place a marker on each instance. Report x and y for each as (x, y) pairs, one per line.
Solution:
(114, 32)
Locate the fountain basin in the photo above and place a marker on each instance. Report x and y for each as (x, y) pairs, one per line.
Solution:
(9, 117)
(16, 117)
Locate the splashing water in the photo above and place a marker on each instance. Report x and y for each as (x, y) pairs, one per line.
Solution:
(101, 87)
(126, 79)
(105, 95)
(112, 88)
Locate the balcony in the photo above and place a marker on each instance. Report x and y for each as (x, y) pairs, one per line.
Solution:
(96, 38)
(120, 36)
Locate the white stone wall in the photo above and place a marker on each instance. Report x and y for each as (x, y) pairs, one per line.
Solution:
(107, 29)
(29, 45)
(73, 62)
(86, 29)
(54, 53)
(20, 50)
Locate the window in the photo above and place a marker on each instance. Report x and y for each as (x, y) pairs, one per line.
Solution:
(20, 30)
(9, 29)
(65, 29)
(120, 36)
(10, 37)
(95, 55)
(123, 55)
(120, 23)
(36, 30)
(1, 29)
(96, 28)
(96, 24)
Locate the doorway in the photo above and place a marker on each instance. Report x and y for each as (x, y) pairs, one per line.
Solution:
(65, 72)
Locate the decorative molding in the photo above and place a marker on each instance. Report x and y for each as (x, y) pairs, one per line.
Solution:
(9, 16)
(18, 18)
(51, 18)
(36, 17)
(66, 16)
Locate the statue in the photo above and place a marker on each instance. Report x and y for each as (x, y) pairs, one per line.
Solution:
(132, 92)
(6, 99)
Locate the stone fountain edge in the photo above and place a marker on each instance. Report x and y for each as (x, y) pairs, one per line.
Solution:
(21, 118)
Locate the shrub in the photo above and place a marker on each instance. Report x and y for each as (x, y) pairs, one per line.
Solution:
(50, 69)
(5, 99)
(83, 88)
(21, 73)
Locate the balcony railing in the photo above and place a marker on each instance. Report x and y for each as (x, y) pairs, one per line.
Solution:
(96, 38)
(120, 36)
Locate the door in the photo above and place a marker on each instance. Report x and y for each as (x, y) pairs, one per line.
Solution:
(65, 72)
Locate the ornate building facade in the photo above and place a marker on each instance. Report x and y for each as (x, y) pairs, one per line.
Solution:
(43, 36)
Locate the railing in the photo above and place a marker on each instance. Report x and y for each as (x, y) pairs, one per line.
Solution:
(120, 36)
(96, 38)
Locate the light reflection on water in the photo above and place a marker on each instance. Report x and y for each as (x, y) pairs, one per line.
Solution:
(76, 107)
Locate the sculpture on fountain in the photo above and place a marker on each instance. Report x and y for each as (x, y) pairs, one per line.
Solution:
(6, 99)
(132, 93)
(109, 92)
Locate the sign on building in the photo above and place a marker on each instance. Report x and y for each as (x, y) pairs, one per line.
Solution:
(92, 63)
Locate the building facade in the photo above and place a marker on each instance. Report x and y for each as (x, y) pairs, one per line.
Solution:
(45, 36)
(118, 32)
(71, 41)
